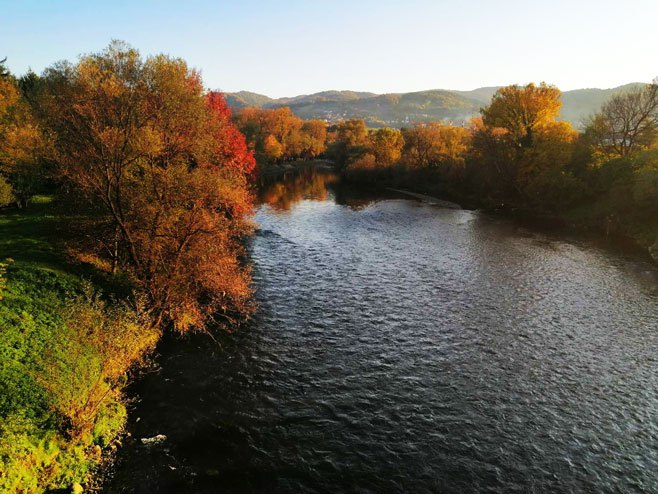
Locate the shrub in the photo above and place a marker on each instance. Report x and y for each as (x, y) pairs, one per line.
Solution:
(6, 192)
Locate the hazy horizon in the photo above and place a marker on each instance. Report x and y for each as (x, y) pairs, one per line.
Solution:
(294, 47)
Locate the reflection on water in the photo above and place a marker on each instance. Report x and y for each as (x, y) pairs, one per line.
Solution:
(315, 184)
(400, 347)
(308, 183)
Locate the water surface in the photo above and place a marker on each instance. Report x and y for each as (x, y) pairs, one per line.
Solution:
(401, 347)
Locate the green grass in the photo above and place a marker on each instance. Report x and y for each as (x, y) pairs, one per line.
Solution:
(47, 364)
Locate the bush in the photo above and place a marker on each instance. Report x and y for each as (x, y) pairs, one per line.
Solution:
(6, 192)
(554, 190)
(86, 365)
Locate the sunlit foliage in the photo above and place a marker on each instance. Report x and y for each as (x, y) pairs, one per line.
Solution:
(21, 145)
(435, 144)
(141, 142)
(521, 153)
(348, 140)
(523, 111)
(277, 134)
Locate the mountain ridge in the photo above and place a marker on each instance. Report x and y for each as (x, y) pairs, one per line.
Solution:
(401, 109)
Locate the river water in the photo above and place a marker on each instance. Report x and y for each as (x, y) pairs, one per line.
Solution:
(400, 347)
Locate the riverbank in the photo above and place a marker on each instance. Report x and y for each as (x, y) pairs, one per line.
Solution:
(68, 341)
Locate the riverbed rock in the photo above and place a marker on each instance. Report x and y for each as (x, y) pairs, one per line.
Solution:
(152, 441)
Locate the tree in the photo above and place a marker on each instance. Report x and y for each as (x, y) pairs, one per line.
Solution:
(6, 192)
(348, 140)
(21, 143)
(386, 146)
(519, 143)
(314, 138)
(165, 175)
(277, 134)
(627, 123)
(231, 146)
(522, 111)
(272, 150)
(3, 70)
(645, 183)
(434, 144)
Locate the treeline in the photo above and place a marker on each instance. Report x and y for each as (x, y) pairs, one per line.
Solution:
(516, 155)
(151, 185)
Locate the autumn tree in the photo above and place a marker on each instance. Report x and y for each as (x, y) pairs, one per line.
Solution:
(271, 149)
(434, 144)
(347, 140)
(278, 134)
(313, 138)
(627, 123)
(21, 143)
(386, 146)
(230, 144)
(521, 151)
(165, 173)
(6, 192)
(523, 111)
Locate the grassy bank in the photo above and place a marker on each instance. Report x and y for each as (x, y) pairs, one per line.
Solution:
(67, 340)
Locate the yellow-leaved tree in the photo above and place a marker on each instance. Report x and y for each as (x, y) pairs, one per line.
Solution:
(522, 148)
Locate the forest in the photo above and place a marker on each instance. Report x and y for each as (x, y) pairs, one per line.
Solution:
(127, 191)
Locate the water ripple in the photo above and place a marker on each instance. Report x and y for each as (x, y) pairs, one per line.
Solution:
(404, 348)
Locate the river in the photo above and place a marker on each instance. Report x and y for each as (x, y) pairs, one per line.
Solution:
(401, 347)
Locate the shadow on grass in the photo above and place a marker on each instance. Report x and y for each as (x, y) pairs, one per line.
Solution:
(36, 238)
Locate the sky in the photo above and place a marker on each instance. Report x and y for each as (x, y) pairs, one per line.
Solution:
(289, 47)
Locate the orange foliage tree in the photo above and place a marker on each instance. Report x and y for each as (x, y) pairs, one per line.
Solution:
(386, 146)
(277, 134)
(165, 173)
(21, 143)
(434, 144)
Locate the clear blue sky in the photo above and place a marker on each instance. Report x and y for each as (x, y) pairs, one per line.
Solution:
(291, 47)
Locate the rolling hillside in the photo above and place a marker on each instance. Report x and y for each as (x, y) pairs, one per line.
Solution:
(401, 109)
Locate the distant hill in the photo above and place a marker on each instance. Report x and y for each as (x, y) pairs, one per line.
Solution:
(579, 104)
(244, 99)
(323, 97)
(402, 109)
